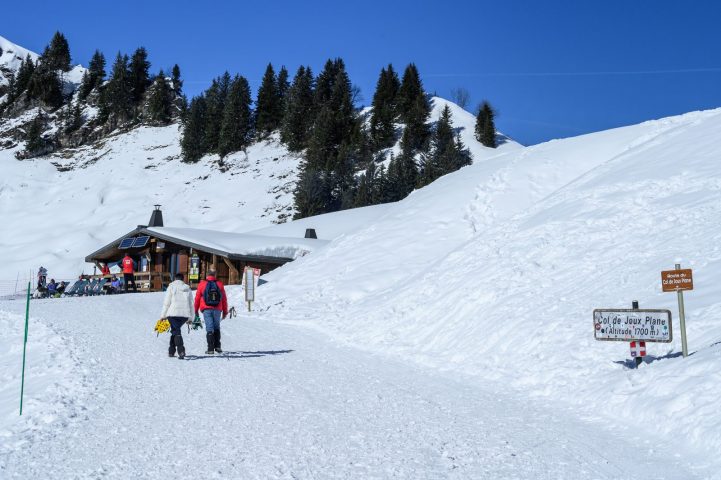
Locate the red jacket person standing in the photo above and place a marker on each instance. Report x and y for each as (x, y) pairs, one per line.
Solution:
(128, 266)
(212, 302)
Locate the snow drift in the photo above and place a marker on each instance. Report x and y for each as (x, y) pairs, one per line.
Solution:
(494, 270)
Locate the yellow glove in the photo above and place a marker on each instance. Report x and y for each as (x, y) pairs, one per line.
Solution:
(161, 326)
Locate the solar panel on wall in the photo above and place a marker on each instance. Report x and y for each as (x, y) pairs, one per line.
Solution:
(141, 241)
(126, 243)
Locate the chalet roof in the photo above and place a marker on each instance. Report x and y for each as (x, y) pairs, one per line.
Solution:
(235, 246)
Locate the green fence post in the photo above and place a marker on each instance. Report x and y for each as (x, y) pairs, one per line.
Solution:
(25, 344)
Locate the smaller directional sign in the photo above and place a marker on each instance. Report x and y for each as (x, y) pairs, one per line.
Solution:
(674, 280)
(627, 325)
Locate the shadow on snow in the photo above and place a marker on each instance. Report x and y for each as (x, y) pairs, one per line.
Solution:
(239, 354)
(631, 363)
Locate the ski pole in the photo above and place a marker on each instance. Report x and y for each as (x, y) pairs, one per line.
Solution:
(25, 344)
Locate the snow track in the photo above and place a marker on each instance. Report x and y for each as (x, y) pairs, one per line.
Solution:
(285, 402)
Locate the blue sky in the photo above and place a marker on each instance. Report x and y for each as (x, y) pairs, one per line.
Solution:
(551, 68)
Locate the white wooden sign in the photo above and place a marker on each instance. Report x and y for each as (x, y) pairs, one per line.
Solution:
(249, 282)
(629, 325)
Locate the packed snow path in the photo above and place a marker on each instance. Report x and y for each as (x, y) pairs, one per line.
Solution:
(284, 402)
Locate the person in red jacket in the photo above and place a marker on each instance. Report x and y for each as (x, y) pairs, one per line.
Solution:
(128, 266)
(212, 302)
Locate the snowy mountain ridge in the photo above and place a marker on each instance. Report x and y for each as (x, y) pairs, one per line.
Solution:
(10, 57)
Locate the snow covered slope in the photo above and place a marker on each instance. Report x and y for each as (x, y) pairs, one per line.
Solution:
(495, 270)
(57, 209)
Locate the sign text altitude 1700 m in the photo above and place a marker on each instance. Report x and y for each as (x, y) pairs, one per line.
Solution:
(632, 325)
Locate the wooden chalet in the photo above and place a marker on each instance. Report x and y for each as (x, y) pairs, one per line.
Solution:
(160, 252)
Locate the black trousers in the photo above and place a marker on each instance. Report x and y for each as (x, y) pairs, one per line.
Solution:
(129, 278)
(176, 323)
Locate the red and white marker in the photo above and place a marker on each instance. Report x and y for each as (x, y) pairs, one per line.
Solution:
(638, 349)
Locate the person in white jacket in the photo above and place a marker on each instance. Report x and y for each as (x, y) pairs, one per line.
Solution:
(178, 309)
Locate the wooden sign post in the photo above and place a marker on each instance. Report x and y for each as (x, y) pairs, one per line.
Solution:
(677, 281)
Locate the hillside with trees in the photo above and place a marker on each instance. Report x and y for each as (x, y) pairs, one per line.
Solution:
(351, 156)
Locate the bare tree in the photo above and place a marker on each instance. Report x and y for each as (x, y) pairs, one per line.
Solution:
(356, 95)
(460, 96)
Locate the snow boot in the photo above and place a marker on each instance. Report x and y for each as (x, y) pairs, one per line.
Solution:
(171, 348)
(180, 346)
(211, 343)
(217, 341)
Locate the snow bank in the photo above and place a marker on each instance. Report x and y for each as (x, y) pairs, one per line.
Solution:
(51, 382)
(495, 270)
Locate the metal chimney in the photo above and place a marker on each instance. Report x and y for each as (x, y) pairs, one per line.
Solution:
(156, 219)
(310, 233)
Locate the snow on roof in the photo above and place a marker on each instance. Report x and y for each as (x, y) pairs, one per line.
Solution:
(241, 244)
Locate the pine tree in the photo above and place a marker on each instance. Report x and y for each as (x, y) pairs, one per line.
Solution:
(22, 78)
(116, 100)
(410, 89)
(463, 156)
(311, 193)
(215, 98)
(139, 71)
(383, 116)
(381, 187)
(235, 131)
(447, 153)
(299, 110)
(485, 125)
(333, 146)
(73, 119)
(160, 100)
(177, 82)
(268, 106)
(402, 176)
(366, 185)
(407, 174)
(373, 186)
(335, 122)
(443, 136)
(57, 54)
(192, 142)
(283, 87)
(94, 76)
(414, 110)
(45, 86)
(325, 81)
(35, 143)
(85, 86)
